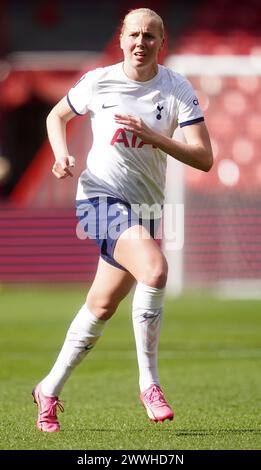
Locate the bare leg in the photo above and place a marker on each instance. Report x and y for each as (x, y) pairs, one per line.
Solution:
(109, 287)
(137, 252)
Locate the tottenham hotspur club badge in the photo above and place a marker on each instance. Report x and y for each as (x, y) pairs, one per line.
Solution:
(159, 109)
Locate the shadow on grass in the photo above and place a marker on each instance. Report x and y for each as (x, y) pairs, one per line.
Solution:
(179, 432)
(214, 432)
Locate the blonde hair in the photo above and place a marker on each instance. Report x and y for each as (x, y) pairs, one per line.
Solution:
(144, 11)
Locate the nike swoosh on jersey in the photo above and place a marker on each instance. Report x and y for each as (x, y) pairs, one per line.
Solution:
(109, 106)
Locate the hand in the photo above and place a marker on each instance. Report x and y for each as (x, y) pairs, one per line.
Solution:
(137, 126)
(62, 167)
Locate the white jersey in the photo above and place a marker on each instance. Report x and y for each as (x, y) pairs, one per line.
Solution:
(120, 164)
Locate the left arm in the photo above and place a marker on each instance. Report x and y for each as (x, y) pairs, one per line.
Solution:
(197, 152)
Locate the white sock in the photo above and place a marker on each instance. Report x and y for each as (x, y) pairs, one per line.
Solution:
(82, 335)
(146, 315)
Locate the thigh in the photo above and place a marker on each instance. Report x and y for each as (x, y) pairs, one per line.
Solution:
(138, 252)
(104, 219)
(109, 287)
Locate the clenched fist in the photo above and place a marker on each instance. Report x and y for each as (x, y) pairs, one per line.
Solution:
(62, 167)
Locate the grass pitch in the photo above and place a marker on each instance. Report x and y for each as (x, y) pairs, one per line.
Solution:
(209, 361)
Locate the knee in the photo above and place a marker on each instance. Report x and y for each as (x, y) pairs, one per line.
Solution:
(102, 307)
(156, 273)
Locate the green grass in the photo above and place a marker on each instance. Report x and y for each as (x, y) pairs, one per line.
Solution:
(209, 363)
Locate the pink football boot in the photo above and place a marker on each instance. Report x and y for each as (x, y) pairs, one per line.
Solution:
(156, 406)
(47, 420)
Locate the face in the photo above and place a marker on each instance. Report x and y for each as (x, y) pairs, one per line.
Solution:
(141, 41)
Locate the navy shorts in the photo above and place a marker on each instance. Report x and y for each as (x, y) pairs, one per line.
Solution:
(104, 219)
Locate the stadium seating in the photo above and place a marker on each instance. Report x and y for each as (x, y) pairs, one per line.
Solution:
(223, 216)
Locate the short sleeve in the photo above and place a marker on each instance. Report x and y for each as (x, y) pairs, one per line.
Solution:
(80, 95)
(188, 109)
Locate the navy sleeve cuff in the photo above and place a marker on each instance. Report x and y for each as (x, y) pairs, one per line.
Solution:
(72, 108)
(189, 123)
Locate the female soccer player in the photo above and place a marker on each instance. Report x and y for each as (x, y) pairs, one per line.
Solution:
(135, 107)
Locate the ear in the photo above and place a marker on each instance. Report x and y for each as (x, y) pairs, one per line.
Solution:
(121, 41)
(162, 43)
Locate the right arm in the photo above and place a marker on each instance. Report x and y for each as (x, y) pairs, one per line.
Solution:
(56, 128)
